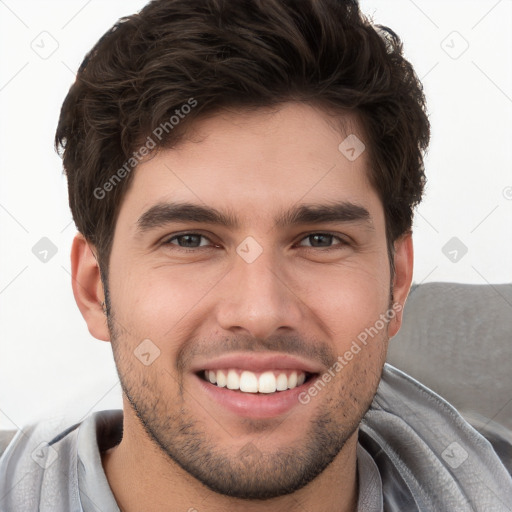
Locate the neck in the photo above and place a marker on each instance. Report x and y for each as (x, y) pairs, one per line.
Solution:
(142, 477)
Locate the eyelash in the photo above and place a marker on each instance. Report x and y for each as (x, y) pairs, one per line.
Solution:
(342, 241)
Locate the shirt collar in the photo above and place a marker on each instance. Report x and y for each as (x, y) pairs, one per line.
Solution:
(103, 430)
(370, 484)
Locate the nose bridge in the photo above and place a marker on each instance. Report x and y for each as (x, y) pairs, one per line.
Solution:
(258, 298)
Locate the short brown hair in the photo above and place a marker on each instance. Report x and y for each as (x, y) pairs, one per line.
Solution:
(211, 54)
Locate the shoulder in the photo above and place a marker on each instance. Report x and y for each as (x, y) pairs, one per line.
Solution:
(39, 468)
(424, 444)
(35, 456)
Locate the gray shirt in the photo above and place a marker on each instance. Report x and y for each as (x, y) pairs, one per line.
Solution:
(415, 453)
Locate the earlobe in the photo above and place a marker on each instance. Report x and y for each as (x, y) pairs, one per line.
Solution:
(88, 288)
(404, 260)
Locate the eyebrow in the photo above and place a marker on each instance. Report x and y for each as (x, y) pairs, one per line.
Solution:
(165, 213)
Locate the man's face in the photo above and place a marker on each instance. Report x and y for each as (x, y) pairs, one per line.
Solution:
(270, 294)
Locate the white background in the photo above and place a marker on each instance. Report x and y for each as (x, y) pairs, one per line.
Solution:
(49, 363)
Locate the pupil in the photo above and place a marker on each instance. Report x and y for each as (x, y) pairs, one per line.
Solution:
(190, 240)
(325, 237)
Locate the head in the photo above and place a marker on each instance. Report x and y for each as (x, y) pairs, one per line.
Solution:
(243, 177)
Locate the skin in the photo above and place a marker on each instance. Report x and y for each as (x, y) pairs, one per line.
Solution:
(301, 296)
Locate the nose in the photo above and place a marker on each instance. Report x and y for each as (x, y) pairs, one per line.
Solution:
(258, 298)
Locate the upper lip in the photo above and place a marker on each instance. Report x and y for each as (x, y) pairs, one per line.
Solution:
(258, 362)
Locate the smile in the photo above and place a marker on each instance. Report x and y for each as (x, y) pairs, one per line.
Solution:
(254, 385)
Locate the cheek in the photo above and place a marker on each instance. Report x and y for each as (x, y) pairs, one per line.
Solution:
(348, 299)
(159, 303)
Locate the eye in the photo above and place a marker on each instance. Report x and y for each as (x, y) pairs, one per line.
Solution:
(319, 240)
(187, 240)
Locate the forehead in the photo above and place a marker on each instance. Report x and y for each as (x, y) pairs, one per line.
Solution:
(247, 162)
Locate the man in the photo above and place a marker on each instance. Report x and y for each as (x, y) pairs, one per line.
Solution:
(243, 177)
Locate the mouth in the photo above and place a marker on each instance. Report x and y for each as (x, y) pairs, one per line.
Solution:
(255, 395)
(266, 382)
(254, 385)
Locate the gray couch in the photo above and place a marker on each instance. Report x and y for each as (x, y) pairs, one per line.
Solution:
(457, 340)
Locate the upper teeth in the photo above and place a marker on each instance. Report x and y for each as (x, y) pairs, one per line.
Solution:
(249, 382)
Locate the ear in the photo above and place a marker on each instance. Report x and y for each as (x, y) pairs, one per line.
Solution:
(88, 288)
(404, 259)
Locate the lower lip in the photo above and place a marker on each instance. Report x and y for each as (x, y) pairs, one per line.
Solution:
(254, 405)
